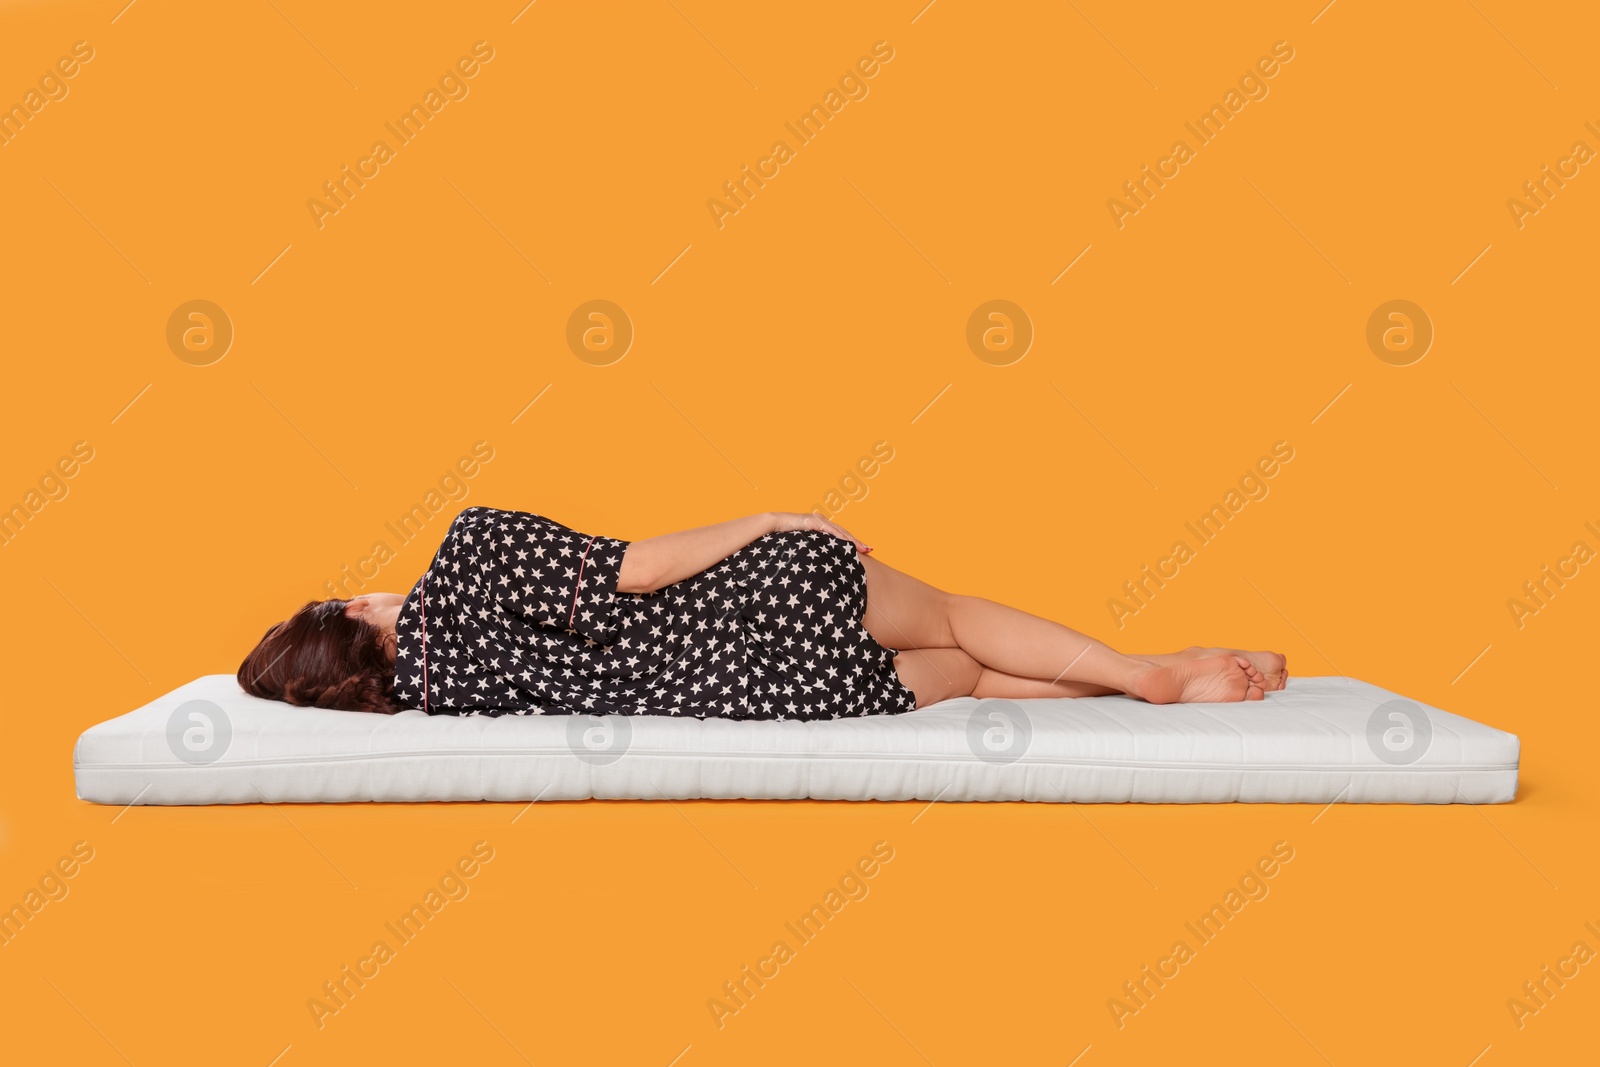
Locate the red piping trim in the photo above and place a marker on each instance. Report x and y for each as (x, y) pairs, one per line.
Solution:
(574, 613)
(424, 586)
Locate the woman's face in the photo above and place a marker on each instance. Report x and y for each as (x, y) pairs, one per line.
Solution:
(378, 609)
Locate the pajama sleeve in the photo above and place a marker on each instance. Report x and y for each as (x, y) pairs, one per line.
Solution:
(550, 575)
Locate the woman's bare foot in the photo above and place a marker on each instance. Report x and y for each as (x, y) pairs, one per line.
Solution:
(1273, 666)
(1218, 679)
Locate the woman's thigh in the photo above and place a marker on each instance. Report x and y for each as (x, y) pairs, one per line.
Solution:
(935, 674)
(903, 612)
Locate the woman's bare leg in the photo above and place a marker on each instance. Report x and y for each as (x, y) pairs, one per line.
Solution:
(905, 613)
(935, 674)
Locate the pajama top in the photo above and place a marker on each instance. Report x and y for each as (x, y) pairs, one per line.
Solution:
(517, 614)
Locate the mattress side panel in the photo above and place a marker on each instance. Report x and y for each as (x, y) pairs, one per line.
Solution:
(490, 777)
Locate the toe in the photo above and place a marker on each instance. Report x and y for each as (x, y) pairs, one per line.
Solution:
(1241, 684)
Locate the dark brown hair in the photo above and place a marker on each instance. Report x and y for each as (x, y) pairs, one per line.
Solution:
(321, 658)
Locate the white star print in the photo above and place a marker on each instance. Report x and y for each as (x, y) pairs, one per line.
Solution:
(710, 645)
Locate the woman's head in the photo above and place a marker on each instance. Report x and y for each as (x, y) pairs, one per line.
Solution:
(329, 654)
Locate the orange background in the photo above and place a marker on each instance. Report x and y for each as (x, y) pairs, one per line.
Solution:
(770, 355)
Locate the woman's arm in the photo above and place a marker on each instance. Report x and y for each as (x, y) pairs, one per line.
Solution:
(655, 562)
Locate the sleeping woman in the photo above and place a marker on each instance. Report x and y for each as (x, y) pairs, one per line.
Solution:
(774, 616)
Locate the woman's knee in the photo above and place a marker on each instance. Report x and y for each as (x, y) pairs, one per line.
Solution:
(958, 608)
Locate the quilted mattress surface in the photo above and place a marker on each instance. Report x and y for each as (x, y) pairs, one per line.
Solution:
(1319, 740)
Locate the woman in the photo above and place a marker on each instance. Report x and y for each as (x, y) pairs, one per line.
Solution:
(774, 616)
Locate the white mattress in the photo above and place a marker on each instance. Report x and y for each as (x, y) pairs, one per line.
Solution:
(1319, 740)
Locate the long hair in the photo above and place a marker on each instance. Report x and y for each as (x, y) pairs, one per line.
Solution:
(320, 657)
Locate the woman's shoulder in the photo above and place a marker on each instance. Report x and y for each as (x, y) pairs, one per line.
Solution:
(465, 530)
(476, 524)
(476, 514)
(480, 516)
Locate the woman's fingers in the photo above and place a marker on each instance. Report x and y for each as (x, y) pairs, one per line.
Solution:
(812, 521)
(840, 531)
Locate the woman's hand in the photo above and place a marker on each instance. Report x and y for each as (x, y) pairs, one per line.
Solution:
(784, 521)
(657, 562)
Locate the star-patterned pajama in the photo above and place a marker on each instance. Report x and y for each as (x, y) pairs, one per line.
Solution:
(518, 614)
